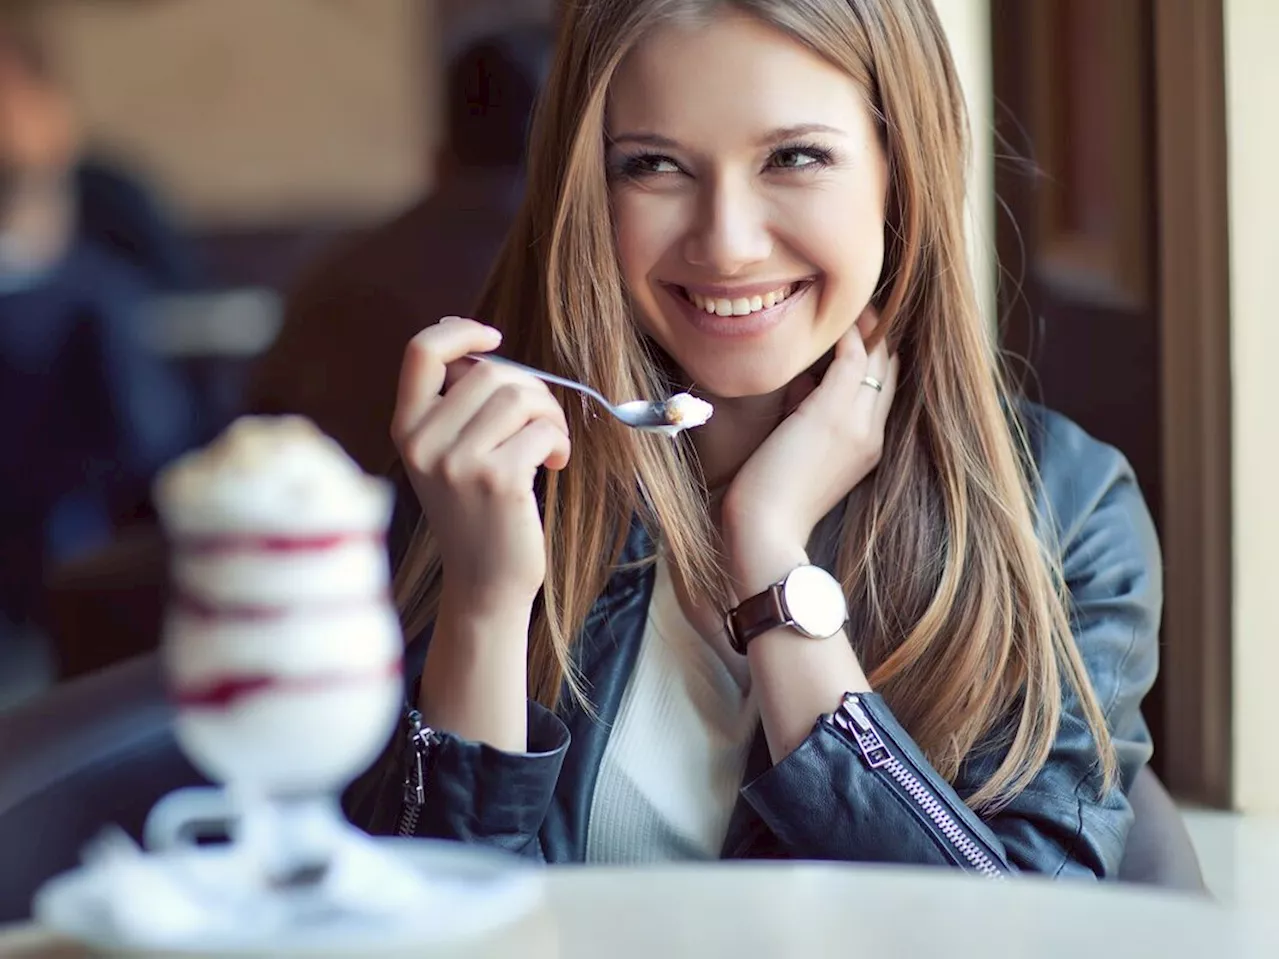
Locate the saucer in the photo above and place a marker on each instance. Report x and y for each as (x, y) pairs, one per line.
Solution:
(475, 898)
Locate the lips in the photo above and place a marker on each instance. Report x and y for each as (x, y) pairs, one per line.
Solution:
(737, 313)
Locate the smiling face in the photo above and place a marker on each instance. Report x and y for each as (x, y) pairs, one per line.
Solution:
(748, 187)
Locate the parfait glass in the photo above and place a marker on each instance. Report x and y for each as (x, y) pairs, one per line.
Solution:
(282, 654)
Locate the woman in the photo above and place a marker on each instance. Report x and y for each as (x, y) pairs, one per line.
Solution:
(760, 200)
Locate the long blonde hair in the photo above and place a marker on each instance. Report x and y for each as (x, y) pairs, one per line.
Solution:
(958, 610)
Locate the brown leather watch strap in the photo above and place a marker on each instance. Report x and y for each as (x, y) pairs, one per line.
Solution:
(758, 614)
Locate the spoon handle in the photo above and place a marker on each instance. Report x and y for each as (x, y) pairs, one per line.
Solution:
(545, 377)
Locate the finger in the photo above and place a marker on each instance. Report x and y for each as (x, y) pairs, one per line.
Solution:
(878, 358)
(455, 371)
(842, 382)
(877, 369)
(425, 367)
(884, 402)
(538, 444)
(443, 428)
(510, 409)
(478, 385)
(868, 321)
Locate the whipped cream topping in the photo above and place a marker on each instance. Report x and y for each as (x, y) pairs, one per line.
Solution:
(685, 412)
(271, 475)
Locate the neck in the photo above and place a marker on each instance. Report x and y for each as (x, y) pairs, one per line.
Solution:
(736, 431)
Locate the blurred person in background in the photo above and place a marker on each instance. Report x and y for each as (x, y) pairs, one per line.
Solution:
(109, 206)
(346, 324)
(89, 412)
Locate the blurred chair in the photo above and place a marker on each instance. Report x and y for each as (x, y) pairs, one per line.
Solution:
(100, 750)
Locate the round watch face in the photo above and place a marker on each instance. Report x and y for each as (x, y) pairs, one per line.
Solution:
(815, 602)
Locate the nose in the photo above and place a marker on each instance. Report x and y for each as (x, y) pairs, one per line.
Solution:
(731, 232)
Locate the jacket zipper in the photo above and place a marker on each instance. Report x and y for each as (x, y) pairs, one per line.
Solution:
(853, 720)
(421, 741)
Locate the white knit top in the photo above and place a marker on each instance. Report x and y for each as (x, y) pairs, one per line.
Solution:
(675, 757)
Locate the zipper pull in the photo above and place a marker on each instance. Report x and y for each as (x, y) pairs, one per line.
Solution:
(420, 742)
(853, 719)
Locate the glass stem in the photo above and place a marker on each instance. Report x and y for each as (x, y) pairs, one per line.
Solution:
(293, 836)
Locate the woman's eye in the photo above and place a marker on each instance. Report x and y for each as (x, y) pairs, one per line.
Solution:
(648, 164)
(799, 158)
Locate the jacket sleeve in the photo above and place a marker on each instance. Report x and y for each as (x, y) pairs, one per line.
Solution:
(837, 797)
(472, 792)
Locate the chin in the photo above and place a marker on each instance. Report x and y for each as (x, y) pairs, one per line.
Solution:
(740, 377)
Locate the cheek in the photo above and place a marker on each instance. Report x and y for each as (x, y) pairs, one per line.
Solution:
(631, 240)
(841, 231)
(647, 230)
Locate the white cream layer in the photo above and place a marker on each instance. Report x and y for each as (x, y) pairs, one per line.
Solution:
(359, 639)
(271, 475)
(352, 570)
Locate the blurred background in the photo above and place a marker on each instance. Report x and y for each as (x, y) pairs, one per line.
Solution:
(209, 208)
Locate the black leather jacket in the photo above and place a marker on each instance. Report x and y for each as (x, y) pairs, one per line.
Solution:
(858, 787)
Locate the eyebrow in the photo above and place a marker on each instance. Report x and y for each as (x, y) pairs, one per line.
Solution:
(646, 138)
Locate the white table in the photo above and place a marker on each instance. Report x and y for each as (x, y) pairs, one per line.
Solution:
(790, 911)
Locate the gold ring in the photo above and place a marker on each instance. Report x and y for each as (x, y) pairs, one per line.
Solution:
(872, 382)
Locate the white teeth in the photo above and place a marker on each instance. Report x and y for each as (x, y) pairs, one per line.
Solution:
(741, 306)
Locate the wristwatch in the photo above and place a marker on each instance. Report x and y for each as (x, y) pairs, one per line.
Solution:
(809, 600)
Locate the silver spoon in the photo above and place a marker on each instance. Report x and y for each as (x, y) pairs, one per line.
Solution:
(681, 412)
